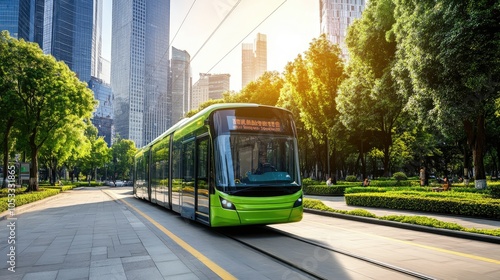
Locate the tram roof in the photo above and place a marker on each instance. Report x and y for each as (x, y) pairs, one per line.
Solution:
(201, 114)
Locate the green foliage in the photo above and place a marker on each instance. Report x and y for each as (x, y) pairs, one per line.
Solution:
(494, 190)
(423, 221)
(466, 204)
(324, 189)
(312, 81)
(318, 205)
(351, 178)
(123, 152)
(416, 220)
(309, 181)
(400, 176)
(6, 191)
(446, 79)
(47, 94)
(61, 188)
(265, 90)
(25, 198)
(368, 102)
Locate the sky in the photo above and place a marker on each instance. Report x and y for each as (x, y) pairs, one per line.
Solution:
(212, 32)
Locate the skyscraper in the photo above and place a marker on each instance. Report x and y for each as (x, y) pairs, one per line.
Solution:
(103, 115)
(71, 32)
(140, 69)
(335, 18)
(67, 34)
(209, 86)
(253, 59)
(181, 84)
(15, 18)
(96, 66)
(23, 19)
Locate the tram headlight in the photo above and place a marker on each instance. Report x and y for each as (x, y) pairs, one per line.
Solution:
(226, 204)
(298, 202)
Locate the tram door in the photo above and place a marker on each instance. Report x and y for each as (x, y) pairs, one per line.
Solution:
(201, 180)
(188, 189)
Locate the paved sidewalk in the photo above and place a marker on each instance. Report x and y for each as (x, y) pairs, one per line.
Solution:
(87, 236)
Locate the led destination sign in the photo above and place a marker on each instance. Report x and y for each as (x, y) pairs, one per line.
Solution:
(242, 123)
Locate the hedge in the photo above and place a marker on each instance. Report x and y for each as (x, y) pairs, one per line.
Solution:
(455, 204)
(25, 198)
(417, 220)
(325, 190)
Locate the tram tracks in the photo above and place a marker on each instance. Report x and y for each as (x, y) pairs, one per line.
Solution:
(313, 260)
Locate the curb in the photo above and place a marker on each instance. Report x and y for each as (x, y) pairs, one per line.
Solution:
(440, 231)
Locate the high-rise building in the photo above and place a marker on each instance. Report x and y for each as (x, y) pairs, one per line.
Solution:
(71, 32)
(68, 30)
(15, 18)
(23, 19)
(335, 18)
(200, 91)
(140, 69)
(209, 86)
(96, 66)
(217, 85)
(67, 34)
(181, 84)
(253, 59)
(103, 115)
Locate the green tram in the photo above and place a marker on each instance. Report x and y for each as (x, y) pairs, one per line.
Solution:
(228, 165)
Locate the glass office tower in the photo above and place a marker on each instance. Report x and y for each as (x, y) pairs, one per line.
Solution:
(67, 34)
(140, 69)
(181, 84)
(23, 19)
(335, 18)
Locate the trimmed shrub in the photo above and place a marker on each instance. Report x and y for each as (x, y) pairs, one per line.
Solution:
(466, 204)
(494, 190)
(351, 178)
(400, 176)
(309, 181)
(324, 189)
(25, 198)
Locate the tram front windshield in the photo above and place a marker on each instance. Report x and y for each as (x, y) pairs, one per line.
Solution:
(256, 156)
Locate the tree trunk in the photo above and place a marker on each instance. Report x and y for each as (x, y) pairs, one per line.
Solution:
(362, 157)
(476, 138)
(33, 183)
(387, 147)
(5, 142)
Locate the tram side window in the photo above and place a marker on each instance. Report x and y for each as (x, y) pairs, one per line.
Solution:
(140, 171)
(203, 159)
(159, 168)
(202, 167)
(176, 165)
(188, 161)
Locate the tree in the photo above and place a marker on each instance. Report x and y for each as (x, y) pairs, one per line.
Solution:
(451, 52)
(368, 99)
(123, 152)
(9, 103)
(67, 141)
(313, 80)
(265, 90)
(99, 153)
(50, 96)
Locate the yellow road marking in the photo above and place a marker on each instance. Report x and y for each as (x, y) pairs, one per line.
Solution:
(202, 258)
(470, 256)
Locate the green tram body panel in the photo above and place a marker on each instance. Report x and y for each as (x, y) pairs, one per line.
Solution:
(256, 210)
(213, 157)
